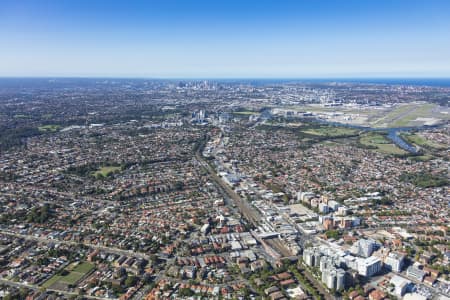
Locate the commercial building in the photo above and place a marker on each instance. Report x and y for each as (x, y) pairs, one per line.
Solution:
(394, 261)
(323, 208)
(401, 285)
(415, 273)
(312, 256)
(369, 266)
(365, 247)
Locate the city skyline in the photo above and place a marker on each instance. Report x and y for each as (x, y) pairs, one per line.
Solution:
(173, 39)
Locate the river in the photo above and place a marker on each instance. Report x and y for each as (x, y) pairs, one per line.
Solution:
(392, 133)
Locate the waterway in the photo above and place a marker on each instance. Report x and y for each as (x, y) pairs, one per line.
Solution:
(392, 133)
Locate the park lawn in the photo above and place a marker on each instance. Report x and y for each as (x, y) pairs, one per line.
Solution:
(330, 143)
(381, 143)
(245, 112)
(421, 141)
(47, 116)
(421, 158)
(51, 281)
(330, 131)
(106, 171)
(371, 139)
(70, 278)
(294, 124)
(313, 132)
(390, 149)
(21, 116)
(74, 275)
(84, 267)
(49, 128)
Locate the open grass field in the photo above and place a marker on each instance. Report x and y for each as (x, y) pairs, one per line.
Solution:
(51, 281)
(373, 139)
(245, 113)
(106, 171)
(381, 143)
(75, 274)
(390, 149)
(421, 158)
(294, 124)
(21, 116)
(83, 267)
(331, 131)
(49, 128)
(421, 141)
(47, 116)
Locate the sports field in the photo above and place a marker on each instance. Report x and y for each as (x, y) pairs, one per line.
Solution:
(76, 272)
(49, 128)
(106, 171)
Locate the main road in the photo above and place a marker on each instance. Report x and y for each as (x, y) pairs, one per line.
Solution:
(36, 288)
(72, 243)
(250, 213)
(247, 210)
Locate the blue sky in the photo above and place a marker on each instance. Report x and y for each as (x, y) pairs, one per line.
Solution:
(168, 38)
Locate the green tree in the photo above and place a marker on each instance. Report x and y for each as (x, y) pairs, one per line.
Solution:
(130, 281)
(186, 292)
